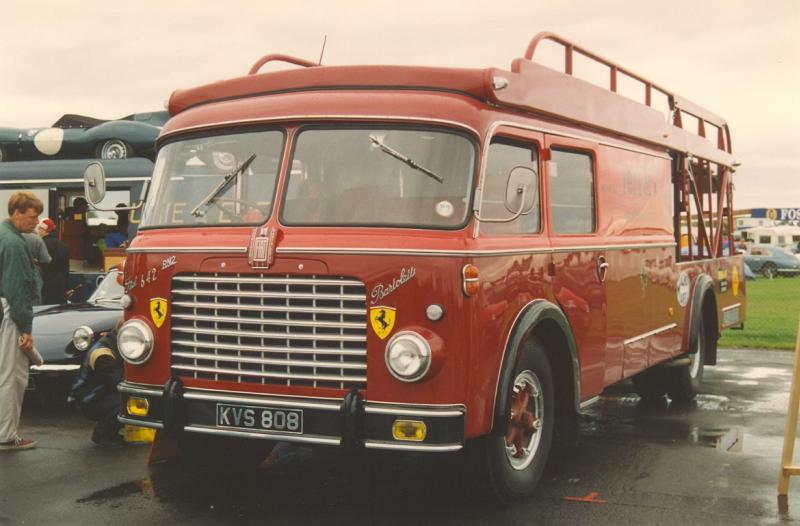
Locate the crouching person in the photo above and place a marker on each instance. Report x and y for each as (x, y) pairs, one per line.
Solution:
(95, 390)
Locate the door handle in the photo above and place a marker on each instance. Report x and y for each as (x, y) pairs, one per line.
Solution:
(602, 268)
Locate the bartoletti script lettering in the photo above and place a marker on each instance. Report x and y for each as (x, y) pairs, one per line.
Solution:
(381, 290)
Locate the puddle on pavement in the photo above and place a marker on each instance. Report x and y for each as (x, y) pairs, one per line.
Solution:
(123, 490)
(724, 439)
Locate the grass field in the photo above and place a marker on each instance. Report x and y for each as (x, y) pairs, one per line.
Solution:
(773, 308)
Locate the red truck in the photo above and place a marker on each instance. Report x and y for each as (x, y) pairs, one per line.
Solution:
(423, 259)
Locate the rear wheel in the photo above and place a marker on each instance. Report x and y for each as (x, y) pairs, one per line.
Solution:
(769, 270)
(683, 382)
(510, 466)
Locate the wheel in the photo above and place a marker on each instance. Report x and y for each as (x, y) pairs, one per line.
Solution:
(683, 382)
(510, 466)
(114, 149)
(223, 454)
(650, 384)
(769, 270)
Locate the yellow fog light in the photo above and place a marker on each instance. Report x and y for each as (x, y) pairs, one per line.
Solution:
(412, 430)
(138, 406)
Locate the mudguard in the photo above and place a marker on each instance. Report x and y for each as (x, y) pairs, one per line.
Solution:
(529, 318)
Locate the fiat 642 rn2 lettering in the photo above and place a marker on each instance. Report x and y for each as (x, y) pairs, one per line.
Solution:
(424, 259)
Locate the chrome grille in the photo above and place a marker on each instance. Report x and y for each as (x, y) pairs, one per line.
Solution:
(267, 329)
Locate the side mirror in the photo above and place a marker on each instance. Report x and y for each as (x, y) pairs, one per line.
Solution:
(94, 183)
(521, 190)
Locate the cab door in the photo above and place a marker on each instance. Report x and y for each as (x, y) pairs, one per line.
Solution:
(580, 262)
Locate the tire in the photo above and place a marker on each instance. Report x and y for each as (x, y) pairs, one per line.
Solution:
(222, 454)
(2, 154)
(114, 149)
(651, 384)
(769, 270)
(684, 381)
(507, 471)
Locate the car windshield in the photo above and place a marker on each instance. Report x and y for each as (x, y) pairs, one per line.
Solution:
(379, 177)
(109, 290)
(189, 175)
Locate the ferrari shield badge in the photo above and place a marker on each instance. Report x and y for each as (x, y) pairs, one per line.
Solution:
(158, 311)
(382, 320)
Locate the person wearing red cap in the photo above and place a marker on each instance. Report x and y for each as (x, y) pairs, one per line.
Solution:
(55, 274)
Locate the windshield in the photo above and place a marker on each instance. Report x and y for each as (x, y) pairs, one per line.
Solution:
(379, 177)
(189, 176)
(108, 289)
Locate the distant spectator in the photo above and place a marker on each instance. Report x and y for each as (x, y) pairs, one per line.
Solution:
(55, 274)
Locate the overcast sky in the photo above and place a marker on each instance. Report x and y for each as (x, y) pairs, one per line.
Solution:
(740, 59)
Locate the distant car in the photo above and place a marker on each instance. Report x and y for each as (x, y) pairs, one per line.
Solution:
(79, 137)
(771, 261)
(793, 251)
(57, 328)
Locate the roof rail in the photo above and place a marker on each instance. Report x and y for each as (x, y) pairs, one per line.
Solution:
(677, 104)
(282, 58)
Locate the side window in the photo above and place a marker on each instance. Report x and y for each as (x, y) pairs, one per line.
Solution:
(764, 240)
(572, 192)
(504, 155)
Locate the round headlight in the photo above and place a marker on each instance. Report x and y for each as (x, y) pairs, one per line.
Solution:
(408, 356)
(135, 341)
(82, 337)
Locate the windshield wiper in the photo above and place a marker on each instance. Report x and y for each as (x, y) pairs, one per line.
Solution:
(399, 156)
(222, 186)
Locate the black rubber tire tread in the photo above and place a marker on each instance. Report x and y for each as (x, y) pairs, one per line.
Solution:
(681, 387)
(497, 480)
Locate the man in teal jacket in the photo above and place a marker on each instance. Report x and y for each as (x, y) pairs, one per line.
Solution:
(17, 293)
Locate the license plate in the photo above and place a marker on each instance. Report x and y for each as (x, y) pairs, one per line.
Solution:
(260, 418)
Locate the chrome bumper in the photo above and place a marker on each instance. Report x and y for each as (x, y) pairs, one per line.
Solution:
(331, 422)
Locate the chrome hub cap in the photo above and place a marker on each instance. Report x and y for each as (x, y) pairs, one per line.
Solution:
(525, 424)
(114, 150)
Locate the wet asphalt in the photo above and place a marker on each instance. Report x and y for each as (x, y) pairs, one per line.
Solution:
(714, 462)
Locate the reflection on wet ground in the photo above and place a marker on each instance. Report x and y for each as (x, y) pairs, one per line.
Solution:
(714, 461)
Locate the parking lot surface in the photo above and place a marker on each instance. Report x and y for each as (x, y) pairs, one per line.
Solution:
(714, 462)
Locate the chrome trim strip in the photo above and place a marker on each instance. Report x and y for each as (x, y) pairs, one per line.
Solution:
(299, 117)
(467, 253)
(731, 307)
(47, 368)
(282, 350)
(413, 411)
(271, 295)
(649, 334)
(353, 366)
(275, 335)
(261, 374)
(586, 403)
(306, 439)
(269, 280)
(178, 250)
(269, 308)
(259, 400)
(398, 446)
(140, 423)
(283, 396)
(268, 321)
(132, 389)
(33, 182)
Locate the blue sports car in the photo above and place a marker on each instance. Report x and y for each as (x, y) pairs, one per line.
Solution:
(57, 329)
(79, 137)
(771, 261)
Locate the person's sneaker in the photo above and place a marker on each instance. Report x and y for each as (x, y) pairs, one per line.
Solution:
(18, 444)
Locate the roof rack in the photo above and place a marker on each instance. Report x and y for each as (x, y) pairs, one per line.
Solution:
(677, 104)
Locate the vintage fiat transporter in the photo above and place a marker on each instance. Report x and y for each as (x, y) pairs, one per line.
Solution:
(423, 259)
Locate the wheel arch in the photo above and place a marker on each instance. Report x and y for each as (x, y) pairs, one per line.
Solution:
(546, 321)
(703, 308)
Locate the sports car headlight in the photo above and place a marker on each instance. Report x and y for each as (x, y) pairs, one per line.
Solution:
(135, 341)
(82, 337)
(408, 356)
